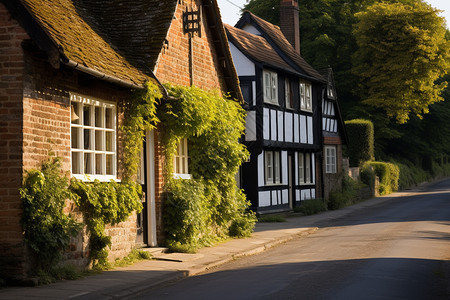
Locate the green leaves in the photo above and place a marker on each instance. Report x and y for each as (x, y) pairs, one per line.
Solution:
(402, 52)
(202, 210)
(47, 228)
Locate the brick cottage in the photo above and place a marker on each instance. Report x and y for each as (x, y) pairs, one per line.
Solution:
(60, 58)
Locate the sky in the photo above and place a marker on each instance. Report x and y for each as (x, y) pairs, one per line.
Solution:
(230, 9)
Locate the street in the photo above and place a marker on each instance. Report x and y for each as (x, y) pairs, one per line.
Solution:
(396, 250)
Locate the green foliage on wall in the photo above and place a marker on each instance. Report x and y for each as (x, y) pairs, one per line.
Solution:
(388, 173)
(104, 203)
(47, 228)
(213, 125)
(361, 140)
(139, 116)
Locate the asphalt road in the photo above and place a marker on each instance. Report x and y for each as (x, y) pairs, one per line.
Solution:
(397, 250)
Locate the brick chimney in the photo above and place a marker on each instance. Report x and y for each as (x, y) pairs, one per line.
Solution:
(289, 22)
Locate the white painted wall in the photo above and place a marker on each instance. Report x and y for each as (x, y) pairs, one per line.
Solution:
(243, 65)
(250, 126)
(251, 29)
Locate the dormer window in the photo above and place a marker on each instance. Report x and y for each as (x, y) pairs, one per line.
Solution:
(270, 87)
(330, 91)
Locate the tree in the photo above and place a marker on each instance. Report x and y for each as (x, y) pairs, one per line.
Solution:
(402, 52)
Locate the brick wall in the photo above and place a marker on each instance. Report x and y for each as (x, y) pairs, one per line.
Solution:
(173, 66)
(11, 82)
(173, 62)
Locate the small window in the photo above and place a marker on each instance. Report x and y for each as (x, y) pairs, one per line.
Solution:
(305, 167)
(305, 96)
(272, 168)
(93, 138)
(288, 95)
(330, 159)
(181, 161)
(270, 87)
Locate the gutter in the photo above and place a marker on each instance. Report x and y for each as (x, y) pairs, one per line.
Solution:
(112, 79)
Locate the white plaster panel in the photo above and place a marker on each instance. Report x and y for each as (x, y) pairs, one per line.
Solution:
(324, 123)
(284, 166)
(296, 129)
(310, 131)
(335, 126)
(295, 167)
(250, 126)
(297, 195)
(266, 123)
(313, 168)
(273, 125)
(261, 169)
(274, 198)
(264, 199)
(288, 127)
(280, 200)
(280, 127)
(285, 196)
(332, 109)
(303, 137)
(313, 193)
(243, 65)
(251, 29)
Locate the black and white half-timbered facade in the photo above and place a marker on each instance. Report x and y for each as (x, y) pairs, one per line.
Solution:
(283, 96)
(334, 136)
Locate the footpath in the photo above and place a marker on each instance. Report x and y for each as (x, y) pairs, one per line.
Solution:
(125, 282)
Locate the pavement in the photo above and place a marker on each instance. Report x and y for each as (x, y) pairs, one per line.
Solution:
(165, 268)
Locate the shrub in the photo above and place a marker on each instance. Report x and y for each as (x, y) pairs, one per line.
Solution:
(410, 175)
(346, 196)
(243, 227)
(388, 173)
(311, 207)
(361, 141)
(46, 227)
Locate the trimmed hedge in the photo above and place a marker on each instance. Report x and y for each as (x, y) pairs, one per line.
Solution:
(361, 141)
(388, 174)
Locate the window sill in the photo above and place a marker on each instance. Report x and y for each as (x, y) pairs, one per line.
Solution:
(182, 176)
(91, 178)
(273, 184)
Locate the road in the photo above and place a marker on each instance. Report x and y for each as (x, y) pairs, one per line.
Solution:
(397, 250)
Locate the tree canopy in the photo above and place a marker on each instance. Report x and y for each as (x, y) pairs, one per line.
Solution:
(402, 51)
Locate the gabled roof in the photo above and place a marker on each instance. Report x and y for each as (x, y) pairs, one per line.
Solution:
(327, 73)
(112, 39)
(257, 48)
(281, 45)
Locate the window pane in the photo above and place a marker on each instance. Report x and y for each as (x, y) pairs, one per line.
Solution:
(75, 137)
(76, 157)
(301, 172)
(87, 139)
(308, 167)
(98, 164)
(109, 141)
(109, 118)
(86, 115)
(109, 164)
(88, 162)
(276, 164)
(98, 117)
(99, 140)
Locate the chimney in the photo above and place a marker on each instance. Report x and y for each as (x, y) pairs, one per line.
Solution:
(289, 22)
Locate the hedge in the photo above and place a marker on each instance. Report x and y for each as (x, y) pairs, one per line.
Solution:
(361, 141)
(388, 174)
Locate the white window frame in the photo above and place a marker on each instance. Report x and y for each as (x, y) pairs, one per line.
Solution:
(181, 161)
(93, 154)
(288, 96)
(330, 160)
(304, 168)
(305, 96)
(272, 167)
(270, 84)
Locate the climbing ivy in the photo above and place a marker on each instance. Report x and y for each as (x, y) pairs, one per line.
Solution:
(46, 227)
(104, 203)
(202, 210)
(139, 116)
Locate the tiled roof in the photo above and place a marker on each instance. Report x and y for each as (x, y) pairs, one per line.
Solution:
(257, 48)
(275, 34)
(120, 38)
